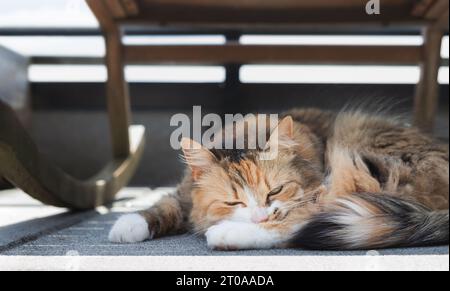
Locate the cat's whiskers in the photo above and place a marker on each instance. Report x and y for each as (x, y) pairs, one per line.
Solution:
(302, 202)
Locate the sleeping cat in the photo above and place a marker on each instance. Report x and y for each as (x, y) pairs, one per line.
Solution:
(341, 181)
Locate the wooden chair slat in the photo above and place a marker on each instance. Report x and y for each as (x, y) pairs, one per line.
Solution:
(131, 7)
(116, 9)
(273, 54)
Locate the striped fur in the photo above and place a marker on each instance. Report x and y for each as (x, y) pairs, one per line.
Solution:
(370, 221)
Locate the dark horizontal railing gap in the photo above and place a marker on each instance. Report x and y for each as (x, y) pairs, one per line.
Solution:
(244, 97)
(137, 31)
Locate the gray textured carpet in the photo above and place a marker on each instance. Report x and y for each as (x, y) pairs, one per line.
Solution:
(89, 238)
(37, 230)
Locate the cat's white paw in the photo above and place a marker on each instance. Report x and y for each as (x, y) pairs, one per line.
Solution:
(130, 228)
(230, 235)
(224, 236)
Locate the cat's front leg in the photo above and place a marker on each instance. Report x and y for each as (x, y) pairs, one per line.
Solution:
(165, 218)
(230, 235)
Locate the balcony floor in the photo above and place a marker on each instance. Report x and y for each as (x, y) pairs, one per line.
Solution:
(29, 229)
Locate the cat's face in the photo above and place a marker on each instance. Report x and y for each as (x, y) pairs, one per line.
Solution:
(238, 185)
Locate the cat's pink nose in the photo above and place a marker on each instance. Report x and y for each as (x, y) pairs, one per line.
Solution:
(259, 215)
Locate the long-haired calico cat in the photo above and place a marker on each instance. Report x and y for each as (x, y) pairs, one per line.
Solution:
(340, 181)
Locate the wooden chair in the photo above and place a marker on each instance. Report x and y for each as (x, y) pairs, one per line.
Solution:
(272, 16)
(22, 165)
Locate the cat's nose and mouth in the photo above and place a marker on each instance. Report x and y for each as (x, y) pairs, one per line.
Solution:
(260, 215)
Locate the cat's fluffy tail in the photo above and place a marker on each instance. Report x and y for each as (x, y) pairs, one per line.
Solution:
(371, 221)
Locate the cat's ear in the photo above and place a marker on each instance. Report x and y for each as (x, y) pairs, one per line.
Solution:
(283, 134)
(281, 137)
(197, 157)
(286, 128)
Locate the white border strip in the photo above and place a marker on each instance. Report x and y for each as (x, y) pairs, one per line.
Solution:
(307, 263)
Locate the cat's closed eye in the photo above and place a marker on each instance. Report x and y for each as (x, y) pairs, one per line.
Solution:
(235, 203)
(276, 191)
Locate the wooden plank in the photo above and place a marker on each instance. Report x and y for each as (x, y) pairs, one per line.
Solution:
(117, 87)
(102, 14)
(279, 19)
(268, 54)
(130, 6)
(115, 8)
(272, 3)
(437, 9)
(269, 12)
(440, 14)
(121, 8)
(100, 61)
(22, 165)
(443, 22)
(427, 92)
(421, 8)
(118, 94)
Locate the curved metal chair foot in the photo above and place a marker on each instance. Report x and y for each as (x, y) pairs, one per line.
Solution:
(23, 166)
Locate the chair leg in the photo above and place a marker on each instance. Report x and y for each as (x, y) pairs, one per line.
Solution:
(427, 92)
(117, 90)
(117, 94)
